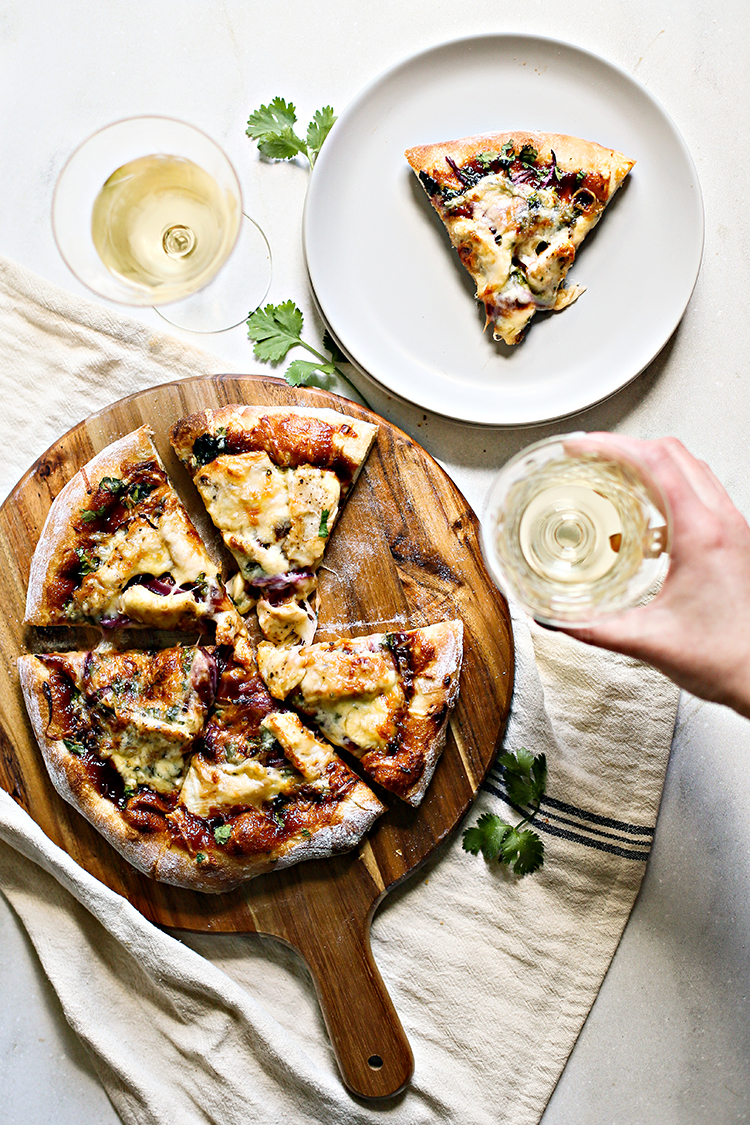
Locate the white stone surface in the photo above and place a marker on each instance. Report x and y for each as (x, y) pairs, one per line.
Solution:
(668, 1040)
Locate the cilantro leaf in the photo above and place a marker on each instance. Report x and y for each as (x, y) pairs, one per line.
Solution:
(332, 347)
(525, 776)
(74, 747)
(523, 851)
(528, 155)
(318, 129)
(112, 484)
(323, 529)
(272, 126)
(302, 373)
(275, 329)
(521, 848)
(486, 836)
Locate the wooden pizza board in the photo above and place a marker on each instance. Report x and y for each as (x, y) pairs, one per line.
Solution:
(405, 553)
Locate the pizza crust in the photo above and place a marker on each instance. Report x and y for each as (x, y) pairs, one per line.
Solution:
(572, 153)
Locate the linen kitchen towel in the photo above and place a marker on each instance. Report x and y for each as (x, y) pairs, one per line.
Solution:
(205, 1028)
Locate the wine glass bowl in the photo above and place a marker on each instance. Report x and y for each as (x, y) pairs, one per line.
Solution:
(147, 211)
(574, 530)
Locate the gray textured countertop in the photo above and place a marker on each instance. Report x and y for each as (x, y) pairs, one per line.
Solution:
(668, 1040)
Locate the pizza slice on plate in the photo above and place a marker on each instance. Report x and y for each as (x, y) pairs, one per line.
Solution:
(385, 697)
(185, 764)
(119, 549)
(517, 207)
(273, 480)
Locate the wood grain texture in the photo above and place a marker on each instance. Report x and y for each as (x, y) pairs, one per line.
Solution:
(405, 553)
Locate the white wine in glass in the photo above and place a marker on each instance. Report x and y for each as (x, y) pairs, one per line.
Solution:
(573, 531)
(148, 211)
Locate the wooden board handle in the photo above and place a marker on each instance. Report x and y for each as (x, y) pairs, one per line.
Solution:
(371, 1047)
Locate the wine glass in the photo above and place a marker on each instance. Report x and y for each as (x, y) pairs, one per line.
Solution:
(148, 211)
(574, 531)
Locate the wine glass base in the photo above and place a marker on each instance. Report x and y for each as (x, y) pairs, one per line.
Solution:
(238, 289)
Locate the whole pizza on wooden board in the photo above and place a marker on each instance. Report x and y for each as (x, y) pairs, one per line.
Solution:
(517, 207)
(181, 756)
(405, 553)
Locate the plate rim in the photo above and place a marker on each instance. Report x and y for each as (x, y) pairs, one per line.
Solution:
(537, 418)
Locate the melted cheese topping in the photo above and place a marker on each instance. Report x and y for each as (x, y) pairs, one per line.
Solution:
(354, 696)
(170, 547)
(368, 724)
(289, 623)
(145, 730)
(270, 518)
(522, 239)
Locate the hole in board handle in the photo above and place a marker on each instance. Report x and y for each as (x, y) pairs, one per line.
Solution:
(375, 1062)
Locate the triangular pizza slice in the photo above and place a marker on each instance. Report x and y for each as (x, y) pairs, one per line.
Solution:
(273, 480)
(386, 697)
(119, 549)
(517, 207)
(187, 766)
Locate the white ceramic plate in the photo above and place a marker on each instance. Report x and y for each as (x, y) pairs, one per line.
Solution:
(392, 288)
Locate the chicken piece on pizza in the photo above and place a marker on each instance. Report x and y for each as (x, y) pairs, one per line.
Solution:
(119, 549)
(273, 480)
(386, 698)
(517, 207)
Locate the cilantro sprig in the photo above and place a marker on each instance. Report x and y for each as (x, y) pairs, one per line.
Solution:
(276, 329)
(525, 776)
(272, 126)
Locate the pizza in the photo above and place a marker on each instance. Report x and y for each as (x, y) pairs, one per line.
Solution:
(200, 766)
(517, 207)
(273, 481)
(187, 766)
(119, 549)
(385, 697)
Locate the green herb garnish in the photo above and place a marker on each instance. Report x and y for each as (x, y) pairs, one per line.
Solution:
(528, 155)
(87, 563)
(272, 126)
(138, 492)
(90, 514)
(276, 329)
(487, 158)
(521, 848)
(323, 529)
(200, 857)
(113, 485)
(222, 833)
(74, 747)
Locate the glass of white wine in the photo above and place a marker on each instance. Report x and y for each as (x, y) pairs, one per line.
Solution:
(148, 211)
(574, 531)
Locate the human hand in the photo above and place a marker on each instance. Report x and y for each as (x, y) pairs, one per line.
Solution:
(697, 631)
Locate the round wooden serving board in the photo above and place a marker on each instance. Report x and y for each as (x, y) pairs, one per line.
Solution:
(405, 553)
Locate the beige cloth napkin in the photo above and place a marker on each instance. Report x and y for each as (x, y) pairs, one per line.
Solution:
(492, 976)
